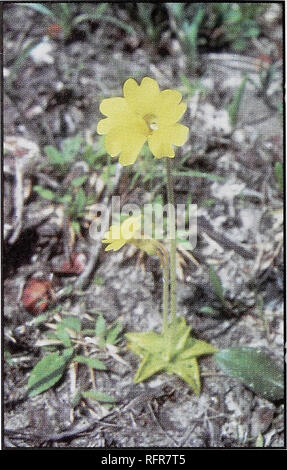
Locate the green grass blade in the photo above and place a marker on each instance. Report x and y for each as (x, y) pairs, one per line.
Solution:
(233, 108)
(199, 174)
(40, 8)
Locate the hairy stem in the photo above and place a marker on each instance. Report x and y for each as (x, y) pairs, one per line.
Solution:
(172, 232)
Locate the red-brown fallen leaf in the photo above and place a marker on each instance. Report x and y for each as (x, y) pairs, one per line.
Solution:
(75, 265)
(36, 295)
(54, 30)
(265, 58)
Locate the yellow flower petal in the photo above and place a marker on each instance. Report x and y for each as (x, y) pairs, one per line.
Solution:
(104, 126)
(127, 141)
(130, 227)
(119, 114)
(159, 147)
(141, 98)
(169, 107)
(116, 245)
(113, 234)
(171, 97)
(178, 134)
(161, 141)
(129, 156)
(113, 141)
(131, 146)
(114, 106)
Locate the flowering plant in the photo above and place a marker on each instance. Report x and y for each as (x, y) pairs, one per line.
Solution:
(146, 114)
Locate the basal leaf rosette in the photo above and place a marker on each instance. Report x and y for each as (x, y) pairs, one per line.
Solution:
(175, 352)
(143, 114)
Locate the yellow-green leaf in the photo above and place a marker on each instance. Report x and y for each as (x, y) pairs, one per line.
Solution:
(150, 365)
(148, 341)
(177, 335)
(187, 371)
(197, 348)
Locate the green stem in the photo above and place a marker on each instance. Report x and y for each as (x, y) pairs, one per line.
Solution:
(165, 295)
(163, 255)
(170, 197)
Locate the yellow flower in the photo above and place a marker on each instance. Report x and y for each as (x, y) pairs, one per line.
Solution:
(119, 235)
(129, 232)
(144, 114)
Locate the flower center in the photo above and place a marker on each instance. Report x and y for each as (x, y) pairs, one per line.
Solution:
(151, 122)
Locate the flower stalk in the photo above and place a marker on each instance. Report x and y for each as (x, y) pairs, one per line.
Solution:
(164, 258)
(172, 233)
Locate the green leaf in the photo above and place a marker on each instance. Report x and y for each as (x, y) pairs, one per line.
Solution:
(187, 371)
(66, 199)
(88, 331)
(259, 441)
(76, 226)
(54, 155)
(209, 202)
(65, 10)
(278, 173)
(177, 9)
(45, 193)
(68, 353)
(199, 174)
(112, 336)
(76, 399)
(90, 362)
(100, 326)
(239, 44)
(120, 24)
(40, 319)
(99, 396)
(20, 60)
(80, 200)
(233, 108)
(252, 32)
(79, 181)
(73, 323)
(46, 373)
(90, 16)
(71, 147)
(40, 8)
(255, 369)
(216, 283)
(63, 335)
(99, 281)
(150, 365)
(208, 310)
(90, 154)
